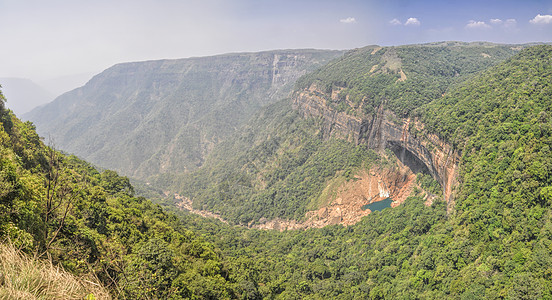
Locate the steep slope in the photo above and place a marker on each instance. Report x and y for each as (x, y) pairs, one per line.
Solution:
(273, 168)
(496, 244)
(375, 107)
(154, 117)
(89, 223)
(404, 77)
(501, 121)
(287, 162)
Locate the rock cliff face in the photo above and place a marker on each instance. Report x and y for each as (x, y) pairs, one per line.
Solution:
(165, 116)
(419, 151)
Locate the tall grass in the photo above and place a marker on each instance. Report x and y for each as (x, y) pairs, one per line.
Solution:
(23, 277)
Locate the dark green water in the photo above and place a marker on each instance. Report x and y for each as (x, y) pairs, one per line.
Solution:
(380, 205)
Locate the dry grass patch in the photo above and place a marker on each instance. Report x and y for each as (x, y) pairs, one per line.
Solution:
(23, 277)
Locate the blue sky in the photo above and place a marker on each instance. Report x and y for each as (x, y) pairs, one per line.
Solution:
(48, 39)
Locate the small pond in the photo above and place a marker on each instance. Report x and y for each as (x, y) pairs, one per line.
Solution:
(377, 206)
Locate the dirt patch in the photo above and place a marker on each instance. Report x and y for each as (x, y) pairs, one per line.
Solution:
(335, 93)
(185, 203)
(345, 200)
(367, 187)
(403, 76)
(374, 67)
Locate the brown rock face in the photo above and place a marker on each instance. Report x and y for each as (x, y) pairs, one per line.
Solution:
(417, 150)
(367, 187)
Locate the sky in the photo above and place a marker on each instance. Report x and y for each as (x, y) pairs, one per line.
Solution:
(44, 40)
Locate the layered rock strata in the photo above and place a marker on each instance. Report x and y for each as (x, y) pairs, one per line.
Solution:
(420, 151)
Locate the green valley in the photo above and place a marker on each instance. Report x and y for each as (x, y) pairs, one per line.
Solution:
(278, 165)
(457, 136)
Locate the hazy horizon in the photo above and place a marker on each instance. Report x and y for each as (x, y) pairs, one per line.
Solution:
(47, 40)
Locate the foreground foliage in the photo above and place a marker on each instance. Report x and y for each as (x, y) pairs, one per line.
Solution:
(58, 206)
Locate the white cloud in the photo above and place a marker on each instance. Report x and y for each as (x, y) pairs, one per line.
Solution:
(477, 25)
(348, 20)
(395, 22)
(510, 23)
(541, 19)
(412, 22)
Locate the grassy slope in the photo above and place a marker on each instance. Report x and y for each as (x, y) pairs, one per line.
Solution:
(24, 277)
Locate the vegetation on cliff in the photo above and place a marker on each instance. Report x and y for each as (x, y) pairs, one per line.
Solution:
(402, 77)
(58, 206)
(279, 163)
(496, 243)
(274, 168)
(165, 116)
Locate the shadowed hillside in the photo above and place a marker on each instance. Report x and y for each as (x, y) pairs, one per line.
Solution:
(154, 117)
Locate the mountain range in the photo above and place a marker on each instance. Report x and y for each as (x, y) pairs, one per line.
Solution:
(166, 116)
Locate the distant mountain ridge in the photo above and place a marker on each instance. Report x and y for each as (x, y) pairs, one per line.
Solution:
(161, 116)
(23, 94)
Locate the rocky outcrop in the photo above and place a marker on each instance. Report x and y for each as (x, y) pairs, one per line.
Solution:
(346, 208)
(312, 102)
(420, 151)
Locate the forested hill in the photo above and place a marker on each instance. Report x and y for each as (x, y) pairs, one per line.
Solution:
(404, 76)
(495, 244)
(59, 208)
(283, 164)
(154, 117)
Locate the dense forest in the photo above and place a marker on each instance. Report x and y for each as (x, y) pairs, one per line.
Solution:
(406, 77)
(280, 162)
(494, 244)
(57, 206)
